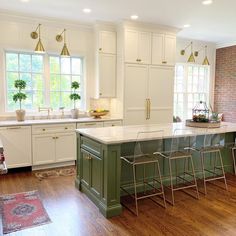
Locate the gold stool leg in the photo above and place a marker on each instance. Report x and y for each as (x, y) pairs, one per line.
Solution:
(203, 172)
(194, 176)
(223, 171)
(162, 188)
(135, 190)
(171, 184)
(233, 155)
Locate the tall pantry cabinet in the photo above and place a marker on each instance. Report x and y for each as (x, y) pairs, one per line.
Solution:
(148, 75)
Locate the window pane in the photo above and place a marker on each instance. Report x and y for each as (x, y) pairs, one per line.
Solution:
(55, 82)
(55, 100)
(76, 78)
(11, 77)
(65, 65)
(12, 61)
(54, 65)
(38, 99)
(27, 78)
(37, 82)
(66, 102)
(10, 103)
(76, 66)
(25, 63)
(37, 63)
(65, 82)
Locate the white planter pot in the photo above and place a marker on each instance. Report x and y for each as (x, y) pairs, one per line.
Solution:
(20, 115)
(74, 113)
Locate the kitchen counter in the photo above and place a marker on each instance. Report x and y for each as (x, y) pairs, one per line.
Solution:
(124, 134)
(55, 121)
(1, 146)
(100, 172)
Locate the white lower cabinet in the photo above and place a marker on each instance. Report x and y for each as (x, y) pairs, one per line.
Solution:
(17, 145)
(112, 123)
(50, 146)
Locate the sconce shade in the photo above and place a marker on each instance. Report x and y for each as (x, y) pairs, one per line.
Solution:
(65, 51)
(206, 61)
(191, 58)
(39, 47)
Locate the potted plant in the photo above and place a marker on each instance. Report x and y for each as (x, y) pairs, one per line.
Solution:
(19, 96)
(74, 96)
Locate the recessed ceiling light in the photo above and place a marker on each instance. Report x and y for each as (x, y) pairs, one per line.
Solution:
(86, 10)
(187, 26)
(24, 0)
(134, 17)
(207, 2)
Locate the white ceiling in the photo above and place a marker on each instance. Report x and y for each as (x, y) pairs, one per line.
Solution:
(215, 23)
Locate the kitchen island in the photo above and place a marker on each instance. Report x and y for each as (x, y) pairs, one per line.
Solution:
(99, 165)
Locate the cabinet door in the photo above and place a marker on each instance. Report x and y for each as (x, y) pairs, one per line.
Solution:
(107, 42)
(170, 49)
(65, 147)
(136, 77)
(112, 123)
(157, 48)
(89, 125)
(144, 48)
(160, 92)
(131, 46)
(96, 171)
(85, 170)
(44, 149)
(107, 75)
(17, 145)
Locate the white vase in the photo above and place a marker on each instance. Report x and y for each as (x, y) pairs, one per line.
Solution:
(20, 115)
(74, 113)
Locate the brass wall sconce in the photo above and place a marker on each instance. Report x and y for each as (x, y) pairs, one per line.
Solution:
(192, 56)
(34, 35)
(59, 38)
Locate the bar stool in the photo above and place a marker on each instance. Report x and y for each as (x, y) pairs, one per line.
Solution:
(232, 147)
(212, 144)
(143, 157)
(181, 142)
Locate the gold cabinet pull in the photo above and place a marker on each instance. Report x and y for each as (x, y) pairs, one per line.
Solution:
(164, 62)
(66, 127)
(147, 109)
(100, 49)
(14, 127)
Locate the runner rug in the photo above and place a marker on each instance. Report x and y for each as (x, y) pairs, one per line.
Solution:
(22, 210)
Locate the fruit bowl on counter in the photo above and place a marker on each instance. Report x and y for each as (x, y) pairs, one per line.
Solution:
(97, 114)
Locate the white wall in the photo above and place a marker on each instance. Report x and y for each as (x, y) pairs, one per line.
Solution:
(211, 54)
(15, 35)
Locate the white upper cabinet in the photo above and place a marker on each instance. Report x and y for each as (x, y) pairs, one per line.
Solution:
(107, 75)
(163, 49)
(107, 42)
(137, 47)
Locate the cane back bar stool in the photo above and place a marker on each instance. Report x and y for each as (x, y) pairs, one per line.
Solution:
(184, 173)
(142, 158)
(210, 154)
(232, 147)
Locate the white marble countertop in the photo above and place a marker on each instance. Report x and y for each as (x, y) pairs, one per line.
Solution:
(124, 134)
(55, 121)
(1, 146)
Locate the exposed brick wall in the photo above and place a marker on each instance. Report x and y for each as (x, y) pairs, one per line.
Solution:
(225, 83)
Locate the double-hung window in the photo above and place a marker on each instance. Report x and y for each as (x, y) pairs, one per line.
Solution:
(30, 68)
(191, 87)
(48, 79)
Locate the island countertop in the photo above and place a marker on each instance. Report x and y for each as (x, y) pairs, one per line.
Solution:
(124, 134)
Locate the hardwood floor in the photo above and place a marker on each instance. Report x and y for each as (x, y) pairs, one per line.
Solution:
(73, 214)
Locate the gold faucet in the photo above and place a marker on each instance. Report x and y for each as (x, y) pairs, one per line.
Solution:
(48, 109)
(62, 112)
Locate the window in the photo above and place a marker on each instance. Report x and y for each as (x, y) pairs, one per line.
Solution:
(191, 86)
(27, 67)
(64, 70)
(48, 79)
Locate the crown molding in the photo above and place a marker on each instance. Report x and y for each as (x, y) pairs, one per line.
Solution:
(12, 16)
(226, 44)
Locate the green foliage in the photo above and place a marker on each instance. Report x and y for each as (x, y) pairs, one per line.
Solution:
(74, 96)
(19, 84)
(75, 85)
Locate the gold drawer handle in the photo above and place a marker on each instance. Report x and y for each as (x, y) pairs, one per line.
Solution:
(164, 62)
(66, 127)
(44, 129)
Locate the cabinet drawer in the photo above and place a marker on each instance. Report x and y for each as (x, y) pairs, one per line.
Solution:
(43, 129)
(91, 146)
(112, 123)
(89, 125)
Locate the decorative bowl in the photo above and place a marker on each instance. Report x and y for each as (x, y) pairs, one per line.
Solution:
(98, 114)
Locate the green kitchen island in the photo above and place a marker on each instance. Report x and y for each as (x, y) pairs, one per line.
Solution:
(98, 158)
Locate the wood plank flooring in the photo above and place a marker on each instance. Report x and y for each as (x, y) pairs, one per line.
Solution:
(73, 214)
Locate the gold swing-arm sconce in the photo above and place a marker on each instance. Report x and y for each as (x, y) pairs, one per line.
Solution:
(205, 61)
(34, 35)
(191, 58)
(59, 38)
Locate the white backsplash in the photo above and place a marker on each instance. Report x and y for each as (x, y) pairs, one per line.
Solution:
(101, 103)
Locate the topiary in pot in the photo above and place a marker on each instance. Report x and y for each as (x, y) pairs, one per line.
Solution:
(74, 96)
(19, 96)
